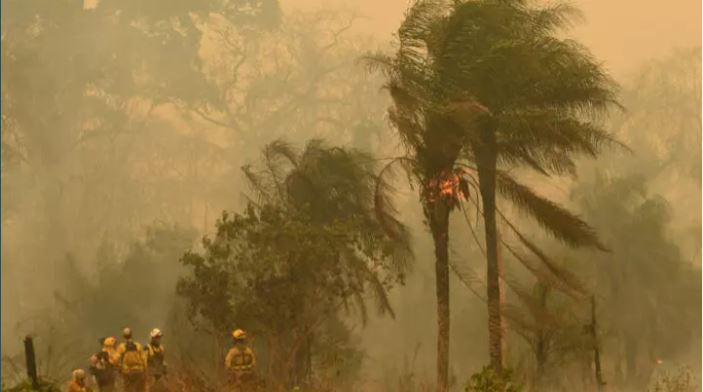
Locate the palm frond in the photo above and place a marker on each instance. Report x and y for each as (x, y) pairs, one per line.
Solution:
(378, 62)
(559, 222)
(361, 306)
(555, 16)
(545, 161)
(520, 322)
(563, 75)
(257, 182)
(385, 210)
(563, 274)
(469, 279)
(417, 27)
(552, 129)
(542, 274)
(538, 312)
(281, 148)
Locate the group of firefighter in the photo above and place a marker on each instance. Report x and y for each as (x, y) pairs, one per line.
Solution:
(143, 369)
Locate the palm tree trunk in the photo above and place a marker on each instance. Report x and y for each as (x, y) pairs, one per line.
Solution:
(486, 163)
(439, 225)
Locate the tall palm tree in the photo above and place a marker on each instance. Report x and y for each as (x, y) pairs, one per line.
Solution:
(486, 84)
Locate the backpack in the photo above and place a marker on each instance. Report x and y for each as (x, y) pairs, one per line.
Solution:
(132, 360)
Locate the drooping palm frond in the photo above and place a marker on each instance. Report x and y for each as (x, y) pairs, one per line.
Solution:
(563, 274)
(259, 183)
(542, 274)
(521, 323)
(550, 273)
(537, 310)
(410, 126)
(378, 290)
(360, 306)
(559, 222)
(469, 279)
(385, 209)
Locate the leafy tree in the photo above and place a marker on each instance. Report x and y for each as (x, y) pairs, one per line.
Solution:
(487, 83)
(103, 126)
(663, 100)
(651, 306)
(306, 248)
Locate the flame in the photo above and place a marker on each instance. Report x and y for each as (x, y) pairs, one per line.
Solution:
(447, 185)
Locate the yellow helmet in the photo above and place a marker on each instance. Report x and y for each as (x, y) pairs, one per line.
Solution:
(109, 341)
(239, 334)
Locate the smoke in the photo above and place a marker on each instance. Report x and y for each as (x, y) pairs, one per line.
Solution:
(125, 127)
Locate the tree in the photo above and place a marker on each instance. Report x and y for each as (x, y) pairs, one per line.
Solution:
(133, 290)
(652, 306)
(487, 83)
(82, 89)
(305, 248)
(552, 325)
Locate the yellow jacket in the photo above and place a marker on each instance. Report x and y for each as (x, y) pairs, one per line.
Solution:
(155, 359)
(73, 386)
(240, 359)
(139, 365)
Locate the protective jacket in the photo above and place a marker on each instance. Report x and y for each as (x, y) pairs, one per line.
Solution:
(155, 360)
(240, 359)
(132, 357)
(103, 369)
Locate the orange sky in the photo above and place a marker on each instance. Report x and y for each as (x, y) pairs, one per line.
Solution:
(622, 33)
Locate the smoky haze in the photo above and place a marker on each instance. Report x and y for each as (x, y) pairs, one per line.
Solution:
(123, 142)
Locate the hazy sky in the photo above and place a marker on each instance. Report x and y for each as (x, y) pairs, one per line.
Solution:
(621, 33)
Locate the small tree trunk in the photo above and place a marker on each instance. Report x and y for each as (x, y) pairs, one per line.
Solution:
(542, 348)
(438, 215)
(487, 179)
(31, 361)
(596, 351)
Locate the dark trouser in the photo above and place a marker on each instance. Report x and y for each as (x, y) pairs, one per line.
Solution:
(134, 382)
(157, 383)
(106, 386)
(243, 382)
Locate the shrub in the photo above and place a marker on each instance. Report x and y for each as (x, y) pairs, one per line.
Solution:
(487, 380)
(680, 381)
(26, 386)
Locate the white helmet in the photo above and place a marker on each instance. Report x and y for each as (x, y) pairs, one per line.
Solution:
(156, 333)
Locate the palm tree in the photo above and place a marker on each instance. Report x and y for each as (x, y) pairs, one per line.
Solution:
(333, 185)
(484, 85)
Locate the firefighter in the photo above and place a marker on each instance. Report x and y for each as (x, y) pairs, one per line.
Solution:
(155, 361)
(240, 363)
(103, 365)
(78, 383)
(133, 363)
